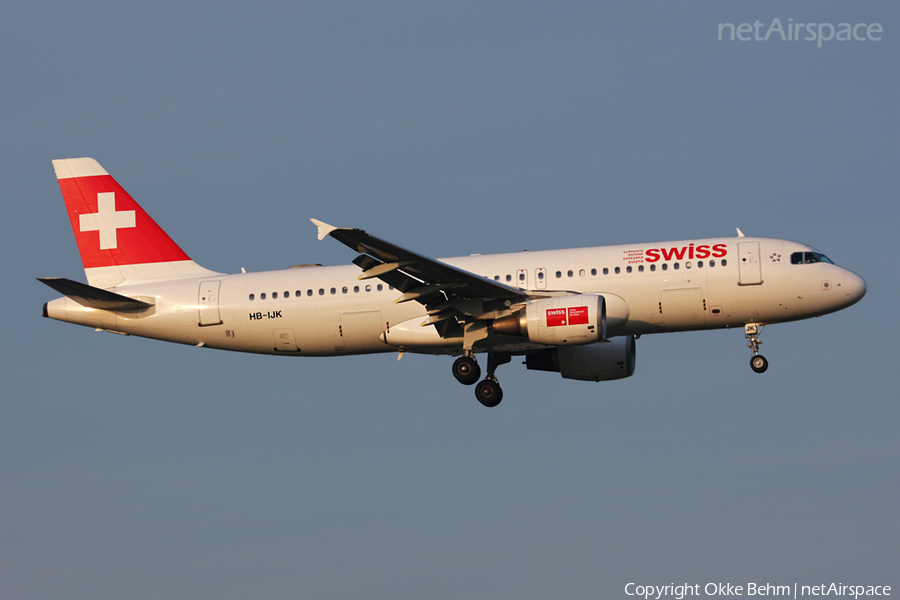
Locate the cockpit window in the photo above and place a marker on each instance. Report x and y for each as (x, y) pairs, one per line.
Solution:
(806, 258)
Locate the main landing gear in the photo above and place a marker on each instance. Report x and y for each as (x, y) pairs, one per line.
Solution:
(467, 372)
(752, 331)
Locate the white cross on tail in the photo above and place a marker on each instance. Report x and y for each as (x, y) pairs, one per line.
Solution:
(107, 221)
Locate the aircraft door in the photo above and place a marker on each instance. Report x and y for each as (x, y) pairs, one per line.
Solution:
(540, 276)
(750, 274)
(208, 303)
(522, 279)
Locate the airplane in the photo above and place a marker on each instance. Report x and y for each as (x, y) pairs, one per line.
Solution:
(576, 312)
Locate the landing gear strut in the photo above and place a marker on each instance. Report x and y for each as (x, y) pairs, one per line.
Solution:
(488, 391)
(752, 331)
(467, 372)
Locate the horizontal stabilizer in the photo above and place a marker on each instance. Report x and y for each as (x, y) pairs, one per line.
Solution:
(93, 297)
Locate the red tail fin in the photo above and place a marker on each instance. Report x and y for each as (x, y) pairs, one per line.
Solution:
(118, 241)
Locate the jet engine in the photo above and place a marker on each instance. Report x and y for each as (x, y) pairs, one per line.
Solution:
(565, 320)
(610, 359)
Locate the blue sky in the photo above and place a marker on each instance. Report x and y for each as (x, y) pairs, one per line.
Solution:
(132, 468)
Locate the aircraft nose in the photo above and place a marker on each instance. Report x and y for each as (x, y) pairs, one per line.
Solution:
(854, 287)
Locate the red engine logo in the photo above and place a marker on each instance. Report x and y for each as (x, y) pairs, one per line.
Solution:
(558, 317)
(578, 315)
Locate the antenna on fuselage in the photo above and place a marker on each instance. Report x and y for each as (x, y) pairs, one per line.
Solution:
(740, 233)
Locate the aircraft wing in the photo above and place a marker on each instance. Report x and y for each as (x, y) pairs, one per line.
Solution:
(446, 291)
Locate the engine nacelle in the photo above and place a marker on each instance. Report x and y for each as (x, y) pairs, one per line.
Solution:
(603, 361)
(563, 321)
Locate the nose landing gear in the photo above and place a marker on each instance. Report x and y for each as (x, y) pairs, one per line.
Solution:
(759, 363)
(752, 331)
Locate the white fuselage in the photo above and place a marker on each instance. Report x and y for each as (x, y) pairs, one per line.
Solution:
(320, 311)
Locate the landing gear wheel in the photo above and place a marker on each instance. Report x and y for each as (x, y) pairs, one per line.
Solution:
(759, 363)
(466, 370)
(752, 331)
(489, 393)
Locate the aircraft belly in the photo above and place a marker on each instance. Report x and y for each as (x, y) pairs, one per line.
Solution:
(323, 328)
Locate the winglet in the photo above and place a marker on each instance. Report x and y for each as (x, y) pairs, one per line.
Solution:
(324, 228)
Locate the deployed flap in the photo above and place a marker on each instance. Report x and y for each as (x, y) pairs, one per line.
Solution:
(92, 297)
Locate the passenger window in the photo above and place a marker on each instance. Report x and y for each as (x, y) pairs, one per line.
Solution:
(558, 274)
(699, 264)
(297, 293)
(252, 296)
(570, 273)
(687, 265)
(540, 275)
(618, 270)
(640, 268)
(665, 267)
(287, 295)
(521, 276)
(344, 290)
(321, 291)
(652, 267)
(262, 296)
(581, 273)
(593, 272)
(380, 287)
(724, 262)
(605, 270)
(333, 291)
(509, 278)
(628, 269)
(309, 292)
(368, 288)
(274, 295)
(355, 289)
(496, 278)
(677, 266)
(712, 263)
